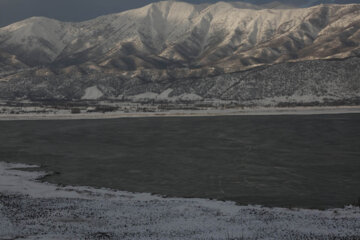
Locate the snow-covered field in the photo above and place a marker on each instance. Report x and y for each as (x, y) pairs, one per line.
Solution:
(30, 209)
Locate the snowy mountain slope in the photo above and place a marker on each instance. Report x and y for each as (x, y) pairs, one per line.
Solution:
(308, 82)
(170, 34)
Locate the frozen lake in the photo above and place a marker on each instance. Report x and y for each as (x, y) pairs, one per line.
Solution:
(310, 161)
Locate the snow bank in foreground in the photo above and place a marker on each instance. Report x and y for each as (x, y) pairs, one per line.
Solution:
(33, 210)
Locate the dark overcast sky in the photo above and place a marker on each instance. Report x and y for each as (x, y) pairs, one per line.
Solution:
(67, 10)
(79, 10)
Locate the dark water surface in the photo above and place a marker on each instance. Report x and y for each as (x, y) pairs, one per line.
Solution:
(305, 161)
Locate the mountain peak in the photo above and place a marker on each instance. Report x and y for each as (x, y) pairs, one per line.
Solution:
(29, 22)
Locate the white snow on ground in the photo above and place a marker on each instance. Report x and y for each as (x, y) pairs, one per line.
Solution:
(165, 96)
(145, 96)
(189, 97)
(92, 93)
(30, 209)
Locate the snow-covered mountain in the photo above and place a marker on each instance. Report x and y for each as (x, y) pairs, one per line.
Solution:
(303, 3)
(171, 34)
(172, 40)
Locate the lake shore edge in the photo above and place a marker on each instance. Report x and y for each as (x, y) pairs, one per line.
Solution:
(263, 111)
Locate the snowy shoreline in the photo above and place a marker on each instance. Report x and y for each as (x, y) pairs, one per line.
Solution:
(30, 209)
(186, 113)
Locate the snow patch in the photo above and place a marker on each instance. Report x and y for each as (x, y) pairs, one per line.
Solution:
(92, 93)
(165, 94)
(190, 97)
(145, 96)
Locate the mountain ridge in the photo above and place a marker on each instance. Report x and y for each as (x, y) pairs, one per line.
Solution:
(177, 34)
(74, 11)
